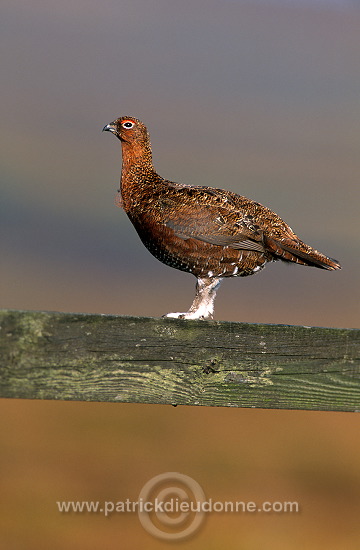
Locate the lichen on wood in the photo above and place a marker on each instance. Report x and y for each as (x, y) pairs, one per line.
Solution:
(84, 357)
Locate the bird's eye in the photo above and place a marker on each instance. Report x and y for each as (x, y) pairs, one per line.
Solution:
(127, 124)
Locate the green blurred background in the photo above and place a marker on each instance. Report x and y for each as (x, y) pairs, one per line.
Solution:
(259, 97)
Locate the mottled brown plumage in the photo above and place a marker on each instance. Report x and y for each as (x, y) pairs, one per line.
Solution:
(208, 232)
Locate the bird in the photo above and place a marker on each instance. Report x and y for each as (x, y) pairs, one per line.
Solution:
(209, 232)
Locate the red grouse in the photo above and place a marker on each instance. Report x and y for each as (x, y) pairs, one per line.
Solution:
(208, 232)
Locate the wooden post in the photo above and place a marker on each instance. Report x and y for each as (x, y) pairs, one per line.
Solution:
(84, 357)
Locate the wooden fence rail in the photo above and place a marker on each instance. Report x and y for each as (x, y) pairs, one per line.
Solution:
(64, 356)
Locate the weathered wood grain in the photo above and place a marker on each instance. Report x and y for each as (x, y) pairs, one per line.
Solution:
(66, 356)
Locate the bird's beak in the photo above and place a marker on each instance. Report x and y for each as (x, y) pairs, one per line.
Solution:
(109, 128)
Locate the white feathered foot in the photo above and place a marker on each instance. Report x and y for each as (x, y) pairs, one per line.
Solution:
(203, 304)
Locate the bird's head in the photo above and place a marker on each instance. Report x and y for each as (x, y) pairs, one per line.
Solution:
(128, 129)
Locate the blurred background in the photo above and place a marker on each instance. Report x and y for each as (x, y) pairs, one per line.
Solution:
(258, 97)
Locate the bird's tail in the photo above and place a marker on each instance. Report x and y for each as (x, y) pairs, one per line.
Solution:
(290, 250)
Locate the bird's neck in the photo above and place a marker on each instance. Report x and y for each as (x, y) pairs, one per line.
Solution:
(136, 155)
(137, 170)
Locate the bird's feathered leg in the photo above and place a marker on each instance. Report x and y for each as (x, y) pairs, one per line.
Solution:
(203, 304)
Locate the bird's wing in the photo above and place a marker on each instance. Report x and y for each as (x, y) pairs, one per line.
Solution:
(226, 219)
(206, 220)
